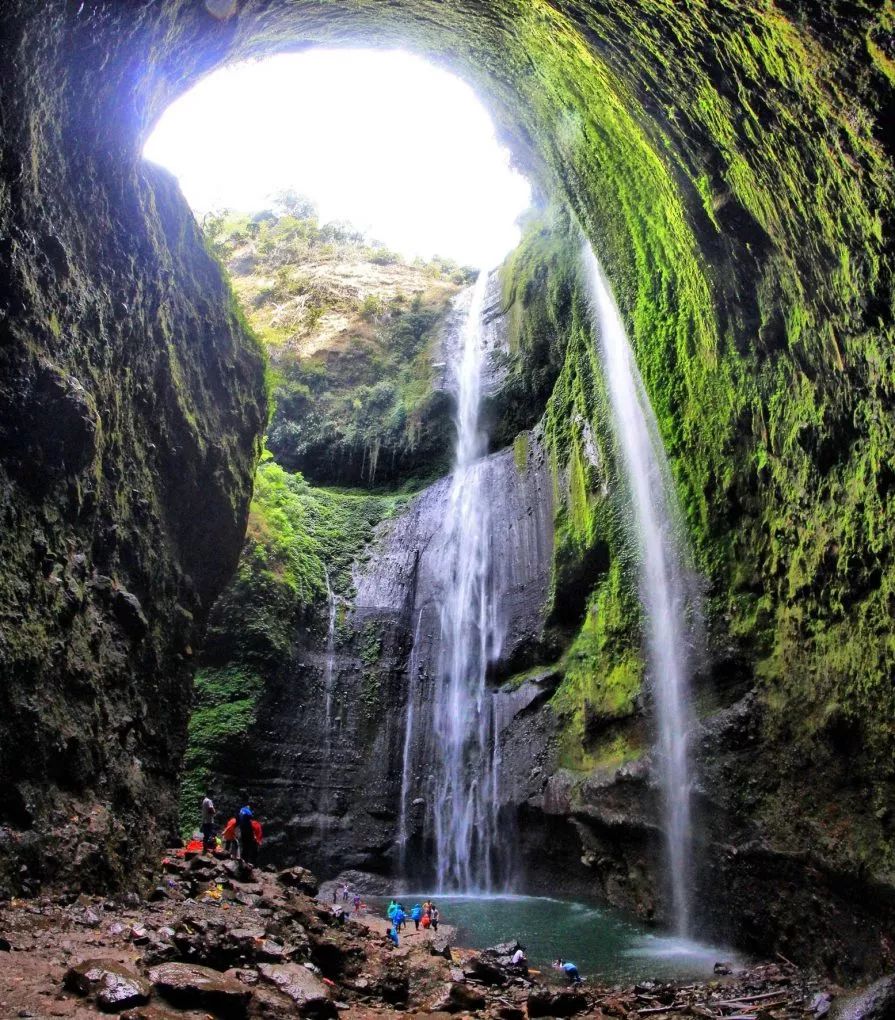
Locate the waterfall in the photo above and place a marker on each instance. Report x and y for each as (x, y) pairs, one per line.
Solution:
(330, 662)
(464, 795)
(413, 686)
(663, 588)
(325, 802)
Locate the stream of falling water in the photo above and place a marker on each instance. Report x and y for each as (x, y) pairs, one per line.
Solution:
(328, 701)
(330, 663)
(663, 588)
(413, 694)
(464, 793)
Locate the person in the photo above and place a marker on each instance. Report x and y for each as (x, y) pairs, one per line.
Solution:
(570, 969)
(248, 848)
(433, 917)
(518, 959)
(425, 920)
(416, 912)
(230, 836)
(392, 907)
(344, 892)
(392, 933)
(357, 903)
(208, 813)
(400, 918)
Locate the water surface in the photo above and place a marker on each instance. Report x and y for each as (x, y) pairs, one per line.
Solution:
(604, 944)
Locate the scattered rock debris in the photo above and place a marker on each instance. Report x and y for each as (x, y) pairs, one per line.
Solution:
(218, 941)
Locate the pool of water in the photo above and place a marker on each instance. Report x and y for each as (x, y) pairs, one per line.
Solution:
(605, 945)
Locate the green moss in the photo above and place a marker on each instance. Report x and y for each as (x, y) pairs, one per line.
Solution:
(520, 451)
(224, 710)
(297, 534)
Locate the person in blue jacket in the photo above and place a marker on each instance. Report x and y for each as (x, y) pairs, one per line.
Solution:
(392, 933)
(416, 912)
(570, 969)
(392, 907)
(400, 918)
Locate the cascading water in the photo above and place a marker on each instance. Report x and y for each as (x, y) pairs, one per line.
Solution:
(663, 589)
(330, 662)
(409, 733)
(324, 806)
(464, 794)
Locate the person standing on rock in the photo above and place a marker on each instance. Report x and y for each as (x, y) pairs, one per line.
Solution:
(208, 813)
(231, 839)
(416, 912)
(433, 916)
(248, 847)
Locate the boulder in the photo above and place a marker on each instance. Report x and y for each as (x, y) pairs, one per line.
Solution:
(504, 948)
(459, 997)
(875, 1003)
(189, 985)
(301, 879)
(486, 969)
(113, 986)
(310, 995)
(550, 1002)
(440, 945)
(150, 1013)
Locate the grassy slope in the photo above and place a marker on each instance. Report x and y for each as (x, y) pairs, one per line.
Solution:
(350, 328)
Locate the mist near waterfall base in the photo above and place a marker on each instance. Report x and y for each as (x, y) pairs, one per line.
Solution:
(401, 149)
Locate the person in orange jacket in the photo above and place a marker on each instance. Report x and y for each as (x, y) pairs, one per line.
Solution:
(230, 837)
(256, 831)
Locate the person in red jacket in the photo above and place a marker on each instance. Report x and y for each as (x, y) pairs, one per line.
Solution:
(230, 837)
(256, 832)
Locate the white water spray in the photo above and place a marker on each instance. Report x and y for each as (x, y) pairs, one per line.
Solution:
(464, 802)
(663, 589)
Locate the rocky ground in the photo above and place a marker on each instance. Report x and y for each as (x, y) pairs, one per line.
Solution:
(215, 940)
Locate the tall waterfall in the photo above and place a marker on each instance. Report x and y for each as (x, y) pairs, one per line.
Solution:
(324, 807)
(663, 587)
(413, 697)
(464, 795)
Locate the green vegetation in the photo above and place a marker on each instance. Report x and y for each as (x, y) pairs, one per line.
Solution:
(723, 161)
(351, 330)
(296, 534)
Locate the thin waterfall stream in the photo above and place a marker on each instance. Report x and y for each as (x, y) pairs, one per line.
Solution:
(663, 589)
(325, 805)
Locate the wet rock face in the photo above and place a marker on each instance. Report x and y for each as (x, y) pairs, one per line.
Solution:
(130, 407)
(336, 803)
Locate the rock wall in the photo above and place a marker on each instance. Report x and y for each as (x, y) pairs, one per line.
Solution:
(732, 165)
(337, 802)
(131, 404)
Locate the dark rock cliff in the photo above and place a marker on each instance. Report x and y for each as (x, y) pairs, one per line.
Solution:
(131, 402)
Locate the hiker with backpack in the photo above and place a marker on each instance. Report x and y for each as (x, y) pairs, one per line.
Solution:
(248, 841)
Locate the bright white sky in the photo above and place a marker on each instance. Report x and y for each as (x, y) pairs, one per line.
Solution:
(400, 148)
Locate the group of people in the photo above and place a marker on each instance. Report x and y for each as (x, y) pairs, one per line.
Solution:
(242, 834)
(347, 895)
(425, 916)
